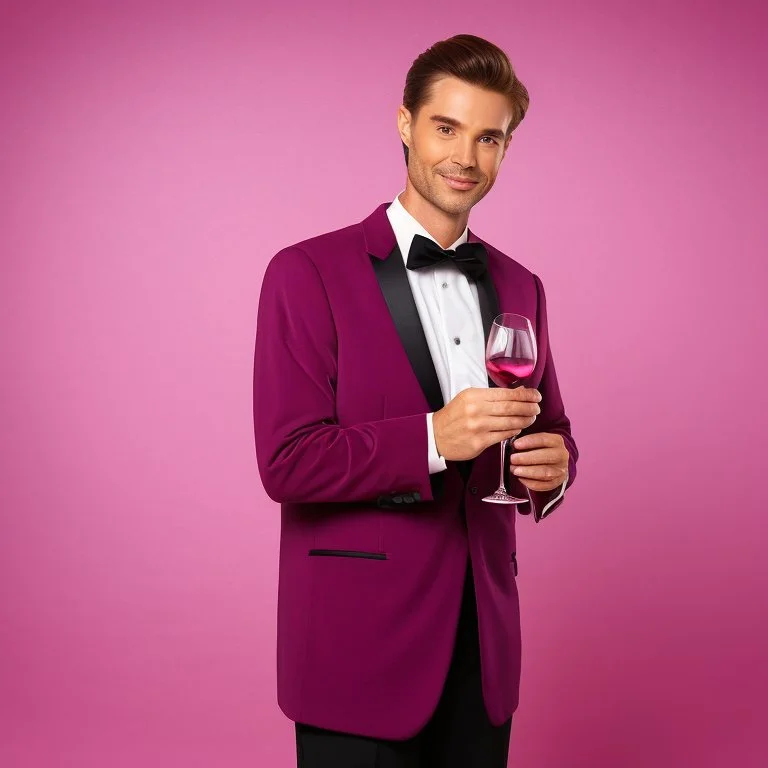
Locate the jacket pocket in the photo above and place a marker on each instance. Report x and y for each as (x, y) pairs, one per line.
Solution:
(348, 553)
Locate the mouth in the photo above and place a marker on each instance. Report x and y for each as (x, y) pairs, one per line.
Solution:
(456, 182)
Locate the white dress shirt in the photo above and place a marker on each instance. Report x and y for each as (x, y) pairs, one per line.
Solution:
(449, 310)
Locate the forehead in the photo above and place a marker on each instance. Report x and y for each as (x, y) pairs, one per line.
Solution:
(472, 105)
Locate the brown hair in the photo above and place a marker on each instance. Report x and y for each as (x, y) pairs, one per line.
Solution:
(472, 59)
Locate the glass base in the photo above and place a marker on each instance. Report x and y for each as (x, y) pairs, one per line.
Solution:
(502, 497)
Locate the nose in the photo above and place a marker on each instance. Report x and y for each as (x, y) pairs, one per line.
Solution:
(464, 152)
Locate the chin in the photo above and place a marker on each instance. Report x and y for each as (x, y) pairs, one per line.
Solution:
(457, 206)
(459, 203)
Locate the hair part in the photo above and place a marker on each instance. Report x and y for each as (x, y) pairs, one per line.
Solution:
(471, 59)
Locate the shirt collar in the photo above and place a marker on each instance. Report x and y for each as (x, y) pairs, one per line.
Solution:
(405, 227)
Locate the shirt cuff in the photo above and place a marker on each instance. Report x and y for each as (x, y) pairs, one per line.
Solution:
(436, 462)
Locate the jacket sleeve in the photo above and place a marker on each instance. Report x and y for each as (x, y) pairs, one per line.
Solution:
(303, 454)
(551, 419)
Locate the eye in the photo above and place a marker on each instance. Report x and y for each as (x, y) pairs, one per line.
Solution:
(448, 128)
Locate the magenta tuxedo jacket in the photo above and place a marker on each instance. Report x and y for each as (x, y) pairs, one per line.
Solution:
(373, 549)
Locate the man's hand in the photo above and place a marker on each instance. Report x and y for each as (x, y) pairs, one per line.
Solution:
(540, 460)
(478, 417)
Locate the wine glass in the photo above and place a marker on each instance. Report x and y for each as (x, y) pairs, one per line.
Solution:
(510, 357)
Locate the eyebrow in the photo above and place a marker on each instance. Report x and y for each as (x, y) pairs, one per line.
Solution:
(495, 132)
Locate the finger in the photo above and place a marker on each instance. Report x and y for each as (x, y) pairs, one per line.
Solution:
(505, 423)
(512, 408)
(536, 456)
(538, 485)
(538, 440)
(529, 394)
(546, 472)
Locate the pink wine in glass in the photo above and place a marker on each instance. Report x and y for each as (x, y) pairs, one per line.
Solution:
(507, 371)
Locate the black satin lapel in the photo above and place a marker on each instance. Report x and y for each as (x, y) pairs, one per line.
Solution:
(394, 284)
(489, 307)
(393, 281)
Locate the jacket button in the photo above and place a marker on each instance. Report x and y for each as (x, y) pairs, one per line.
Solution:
(473, 490)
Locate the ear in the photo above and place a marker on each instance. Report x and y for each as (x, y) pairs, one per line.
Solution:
(404, 124)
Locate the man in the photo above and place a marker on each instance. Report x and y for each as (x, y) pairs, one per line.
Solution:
(378, 430)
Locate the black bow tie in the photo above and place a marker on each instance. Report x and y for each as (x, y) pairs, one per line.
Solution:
(470, 258)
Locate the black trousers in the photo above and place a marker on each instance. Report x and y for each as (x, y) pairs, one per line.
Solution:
(458, 735)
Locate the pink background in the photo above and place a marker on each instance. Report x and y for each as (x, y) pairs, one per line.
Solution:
(155, 156)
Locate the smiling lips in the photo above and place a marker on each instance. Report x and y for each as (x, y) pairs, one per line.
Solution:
(456, 182)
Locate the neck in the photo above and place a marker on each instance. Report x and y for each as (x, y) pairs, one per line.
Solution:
(444, 227)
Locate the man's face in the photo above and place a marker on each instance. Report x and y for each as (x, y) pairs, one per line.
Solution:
(468, 148)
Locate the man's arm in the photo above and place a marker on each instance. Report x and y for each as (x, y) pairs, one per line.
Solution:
(303, 455)
(551, 419)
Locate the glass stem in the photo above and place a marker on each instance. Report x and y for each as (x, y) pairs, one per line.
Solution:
(502, 486)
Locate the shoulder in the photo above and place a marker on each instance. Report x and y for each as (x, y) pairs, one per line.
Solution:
(322, 248)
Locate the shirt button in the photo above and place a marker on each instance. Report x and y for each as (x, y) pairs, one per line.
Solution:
(456, 340)
(473, 490)
(445, 285)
